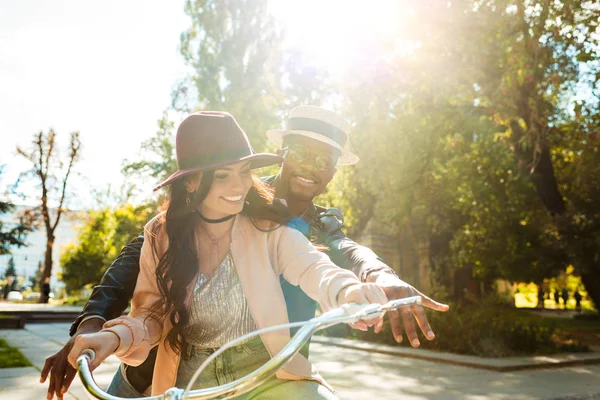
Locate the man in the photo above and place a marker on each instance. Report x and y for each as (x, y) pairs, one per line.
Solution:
(313, 145)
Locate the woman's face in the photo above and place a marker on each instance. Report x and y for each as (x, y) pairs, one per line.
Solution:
(228, 191)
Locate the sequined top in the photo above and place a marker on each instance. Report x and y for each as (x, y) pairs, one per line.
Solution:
(219, 310)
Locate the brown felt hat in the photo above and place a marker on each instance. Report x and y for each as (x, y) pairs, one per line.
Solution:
(212, 139)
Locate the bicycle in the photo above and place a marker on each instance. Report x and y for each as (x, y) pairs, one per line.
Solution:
(348, 313)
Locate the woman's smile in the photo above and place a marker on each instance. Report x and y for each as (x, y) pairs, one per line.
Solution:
(233, 199)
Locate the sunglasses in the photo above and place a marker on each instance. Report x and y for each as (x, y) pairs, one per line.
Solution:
(300, 153)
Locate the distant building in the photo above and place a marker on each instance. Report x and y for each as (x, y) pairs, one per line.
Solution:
(27, 259)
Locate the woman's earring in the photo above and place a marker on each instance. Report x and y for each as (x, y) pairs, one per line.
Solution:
(189, 198)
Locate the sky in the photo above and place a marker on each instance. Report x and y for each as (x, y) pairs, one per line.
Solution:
(106, 69)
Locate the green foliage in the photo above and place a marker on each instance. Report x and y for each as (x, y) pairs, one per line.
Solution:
(342, 194)
(474, 143)
(14, 235)
(469, 138)
(100, 240)
(11, 357)
(75, 301)
(491, 329)
(233, 50)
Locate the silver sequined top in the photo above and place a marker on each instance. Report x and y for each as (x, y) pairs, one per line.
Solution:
(219, 310)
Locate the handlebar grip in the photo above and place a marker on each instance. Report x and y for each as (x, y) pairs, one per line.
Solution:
(89, 353)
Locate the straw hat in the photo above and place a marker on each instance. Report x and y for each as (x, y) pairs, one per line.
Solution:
(319, 124)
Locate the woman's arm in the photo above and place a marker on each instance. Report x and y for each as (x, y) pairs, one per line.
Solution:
(301, 264)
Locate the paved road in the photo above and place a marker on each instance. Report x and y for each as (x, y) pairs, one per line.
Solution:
(355, 374)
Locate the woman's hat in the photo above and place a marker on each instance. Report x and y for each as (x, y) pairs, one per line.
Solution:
(212, 139)
(319, 124)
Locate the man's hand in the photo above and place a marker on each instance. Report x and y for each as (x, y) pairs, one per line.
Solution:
(394, 289)
(57, 365)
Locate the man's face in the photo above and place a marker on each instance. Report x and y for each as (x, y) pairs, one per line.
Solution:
(300, 176)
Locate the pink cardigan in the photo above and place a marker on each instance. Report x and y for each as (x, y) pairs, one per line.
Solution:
(259, 258)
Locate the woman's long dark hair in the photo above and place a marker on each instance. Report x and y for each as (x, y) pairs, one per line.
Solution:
(179, 264)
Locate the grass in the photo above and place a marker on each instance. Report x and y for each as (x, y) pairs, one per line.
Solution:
(11, 357)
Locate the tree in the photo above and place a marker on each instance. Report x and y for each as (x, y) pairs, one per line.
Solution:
(536, 54)
(483, 94)
(233, 49)
(14, 235)
(36, 279)
(10, 268)
(105, 233)
(46, 165)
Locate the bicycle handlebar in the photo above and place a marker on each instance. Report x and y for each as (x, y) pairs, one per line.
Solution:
(348, 313)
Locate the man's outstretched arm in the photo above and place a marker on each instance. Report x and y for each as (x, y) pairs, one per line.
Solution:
(369, 267)
(108, 300)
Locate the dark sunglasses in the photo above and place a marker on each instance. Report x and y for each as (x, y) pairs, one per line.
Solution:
(300, 153)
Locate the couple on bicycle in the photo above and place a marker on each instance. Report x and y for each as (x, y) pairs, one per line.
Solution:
(230, 254)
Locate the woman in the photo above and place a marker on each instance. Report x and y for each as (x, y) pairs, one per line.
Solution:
(209, 272)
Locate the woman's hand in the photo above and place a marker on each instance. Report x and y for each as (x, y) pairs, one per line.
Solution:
(104, 343)
(362, 293)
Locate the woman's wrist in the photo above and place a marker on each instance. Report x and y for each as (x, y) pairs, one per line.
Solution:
(341, 296)
(118, 339)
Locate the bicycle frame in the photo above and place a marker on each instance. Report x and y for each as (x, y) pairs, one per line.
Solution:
(348, 313)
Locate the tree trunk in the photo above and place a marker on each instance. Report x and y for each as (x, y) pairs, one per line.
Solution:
(47, 272)
(545, 183)
(591, 281)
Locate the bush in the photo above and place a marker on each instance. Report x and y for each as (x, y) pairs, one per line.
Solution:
(75, 301)
(487, 328)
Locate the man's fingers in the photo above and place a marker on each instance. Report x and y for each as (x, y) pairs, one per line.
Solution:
(396, 325)
(57, 376)
(409, 327)
(421, 318)
(379, 326)
(48, 364)
(50, 394)
(69, 376)
(434, 305)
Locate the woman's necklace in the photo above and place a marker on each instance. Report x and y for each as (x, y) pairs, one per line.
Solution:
(214, 221)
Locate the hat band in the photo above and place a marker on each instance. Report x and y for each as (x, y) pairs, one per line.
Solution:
(320, 127)
(214, 158)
